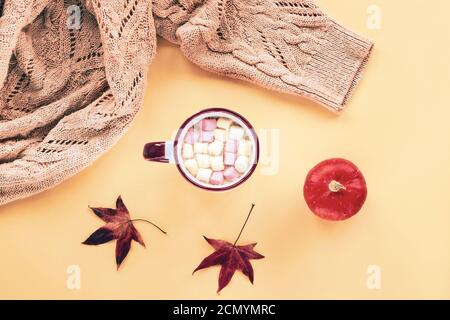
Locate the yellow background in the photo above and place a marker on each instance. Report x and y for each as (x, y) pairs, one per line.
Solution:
(395, 129)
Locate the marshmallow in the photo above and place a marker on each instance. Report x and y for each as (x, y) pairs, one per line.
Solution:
(231, 146)
(188, 151)
(241, 164)
(215, 148)
(204, 175)
(207, 136)
(220, 134)
(202, 160)
(192, 136)
(224, 123)
(236, 133)
(229, 158)
(245, 148)
(217, 178)
(217, 163)
(231, 174)
(208, 124)
(192, 166)
(200, 147)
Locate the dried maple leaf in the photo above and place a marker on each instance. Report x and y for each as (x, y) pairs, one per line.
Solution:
(118, 227)
(231, 257)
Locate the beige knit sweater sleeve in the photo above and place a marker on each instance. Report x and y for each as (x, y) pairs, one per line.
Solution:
(290, 46)
(69, 92)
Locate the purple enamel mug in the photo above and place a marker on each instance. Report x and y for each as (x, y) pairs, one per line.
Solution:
(215, 149)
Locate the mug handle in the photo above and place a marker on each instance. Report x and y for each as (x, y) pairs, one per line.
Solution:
(159, 152)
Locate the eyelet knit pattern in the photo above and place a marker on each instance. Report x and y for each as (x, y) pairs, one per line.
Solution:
(68, 94)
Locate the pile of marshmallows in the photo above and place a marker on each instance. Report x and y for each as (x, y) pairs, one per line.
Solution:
(217, 151)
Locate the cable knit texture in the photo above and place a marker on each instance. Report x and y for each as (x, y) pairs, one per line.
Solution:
(68, 93)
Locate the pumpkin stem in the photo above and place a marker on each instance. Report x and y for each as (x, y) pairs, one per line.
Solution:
(245, 223)
(335, 186)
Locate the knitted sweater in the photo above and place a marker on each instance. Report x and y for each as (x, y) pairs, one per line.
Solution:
(73, 72)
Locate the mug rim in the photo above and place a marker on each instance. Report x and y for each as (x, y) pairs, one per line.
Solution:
(224, 110)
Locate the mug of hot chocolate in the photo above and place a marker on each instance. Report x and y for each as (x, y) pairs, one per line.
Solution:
(215, 149)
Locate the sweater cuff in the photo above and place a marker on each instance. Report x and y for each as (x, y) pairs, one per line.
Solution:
(337, 66)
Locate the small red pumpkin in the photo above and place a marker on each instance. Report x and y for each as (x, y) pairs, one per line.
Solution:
(335, 189)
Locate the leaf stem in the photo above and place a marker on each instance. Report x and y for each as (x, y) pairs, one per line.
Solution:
(144, 220)
(245, 223)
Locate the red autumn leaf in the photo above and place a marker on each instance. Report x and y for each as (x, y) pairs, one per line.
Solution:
(118, 227)
(231, 257)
